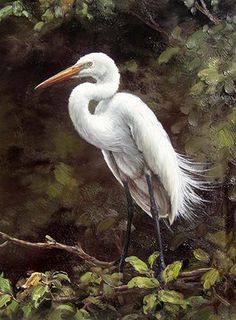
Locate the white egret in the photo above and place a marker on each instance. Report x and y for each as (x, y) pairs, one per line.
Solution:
(134, 144)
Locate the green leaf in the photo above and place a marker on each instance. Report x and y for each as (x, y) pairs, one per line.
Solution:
(220, 238)
(131, 66)
(28, 309)
(107, 289)
(143, 282)
(196, 301)
(178, 239)
(33, 280)
(210, 76)
(17, 8)
(222, 260)
(214, 62)
(61, 311)
(84, 12)
(226, 137)
(152, 258)
(210, 278)
(172, 271)
(232, 69)
(13, 306)
(197, 88)
(233, 270)
(5, 12)
(176, 33)
(189, 3)
(201, 255)
(62, 276)
(195, 63)
(106, 7)
(49, 239)
(117, 278)
(137, 263)
(172, 296)
(173, 309)
(202, 313)
(82, 314)
(5, 285)
(65, 308)
(38, 26)
(166, 55)
(217, 28)
(4, 299)
(232, 252)
(113, 279)
(106, 224)
(86, 278)
(149, 303)
(38, 294)
(195, 39)
(229, 86)
(93, 300)
(63, 174)
(48, 15)
(54, 190)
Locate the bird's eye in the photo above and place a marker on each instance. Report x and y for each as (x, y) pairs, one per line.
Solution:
(88, 65)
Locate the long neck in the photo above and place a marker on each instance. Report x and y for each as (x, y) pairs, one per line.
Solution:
(90, 126)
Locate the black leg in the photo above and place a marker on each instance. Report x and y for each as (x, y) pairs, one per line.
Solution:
(155, 215)
(130, 209)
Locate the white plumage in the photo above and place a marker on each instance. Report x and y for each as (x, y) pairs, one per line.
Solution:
(134, 144)
(132, 140)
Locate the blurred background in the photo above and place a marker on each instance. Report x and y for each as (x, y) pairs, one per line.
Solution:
(178, 56)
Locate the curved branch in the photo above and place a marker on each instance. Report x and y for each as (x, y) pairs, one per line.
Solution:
(148, 19)
(76, 250)
(151, 24)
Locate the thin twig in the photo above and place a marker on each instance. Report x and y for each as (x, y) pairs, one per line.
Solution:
(155, 26)
(150, 22)
(65, 299)
(180, 285)
(2, 245)
(221, 299)
(76, 250)
(203, 9)
(194, 273)
(123, 289)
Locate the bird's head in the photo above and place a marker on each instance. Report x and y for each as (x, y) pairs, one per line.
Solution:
(97, 65)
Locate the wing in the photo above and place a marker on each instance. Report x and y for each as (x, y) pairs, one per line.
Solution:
(118, 165)
(174, 185)
(175, 173)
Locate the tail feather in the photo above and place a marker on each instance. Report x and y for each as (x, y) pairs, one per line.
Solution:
(185, 183)
(192, 184)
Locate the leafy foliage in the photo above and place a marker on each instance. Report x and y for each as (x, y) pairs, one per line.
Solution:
(172, 271)
(201, 255)
(53, 295)
(198, 73)
(138, 264)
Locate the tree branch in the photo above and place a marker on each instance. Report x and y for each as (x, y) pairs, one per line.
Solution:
(75, 250)
(120, 290)
(203, 9)
(2, 245)
(194, 273)
(151, 24)
(148, 19)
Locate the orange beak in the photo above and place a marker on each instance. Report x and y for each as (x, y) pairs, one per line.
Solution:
(63, 75)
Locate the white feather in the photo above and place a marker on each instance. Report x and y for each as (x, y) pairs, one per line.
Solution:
(133, 141)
